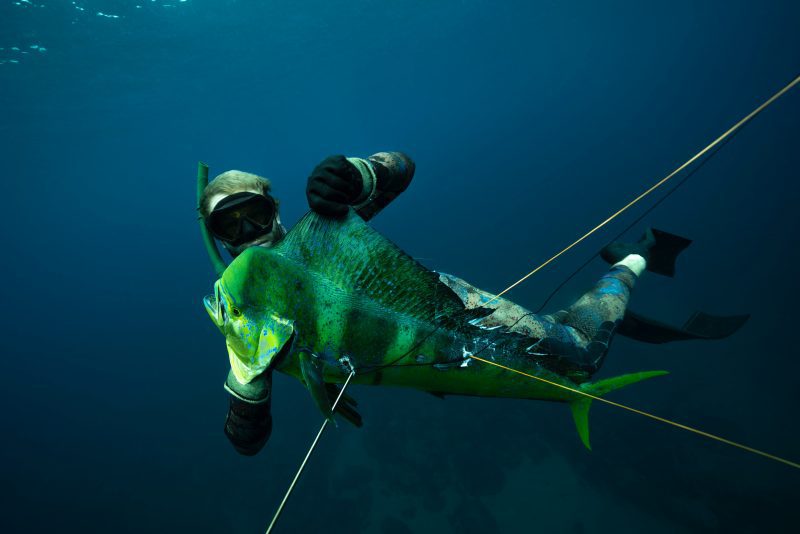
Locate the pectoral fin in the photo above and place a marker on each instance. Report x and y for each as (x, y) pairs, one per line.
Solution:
(311, 369)
(347, 405)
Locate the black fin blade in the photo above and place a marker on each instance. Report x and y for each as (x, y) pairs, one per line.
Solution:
(699, 326)
(649, 330)
(665, 252)
(706, 326)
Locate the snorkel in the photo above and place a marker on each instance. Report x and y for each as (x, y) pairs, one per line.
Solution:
(211, 246)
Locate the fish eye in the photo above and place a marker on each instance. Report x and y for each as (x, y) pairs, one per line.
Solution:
(236, 312)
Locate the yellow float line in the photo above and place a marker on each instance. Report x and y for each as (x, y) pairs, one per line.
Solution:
(646, 414)
(658, 184)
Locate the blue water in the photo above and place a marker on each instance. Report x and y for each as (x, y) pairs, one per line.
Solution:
(529, 123)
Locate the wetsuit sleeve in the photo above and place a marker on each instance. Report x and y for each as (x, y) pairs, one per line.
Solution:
(249, 421)
(384, 176)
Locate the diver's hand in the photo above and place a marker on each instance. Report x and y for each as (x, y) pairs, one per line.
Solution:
(248, 426)
(249, 421)
(333, 186)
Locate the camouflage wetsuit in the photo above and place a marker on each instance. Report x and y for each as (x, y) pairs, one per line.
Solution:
(572, 341)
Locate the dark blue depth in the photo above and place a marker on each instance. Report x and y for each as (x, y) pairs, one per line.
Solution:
(529, 122)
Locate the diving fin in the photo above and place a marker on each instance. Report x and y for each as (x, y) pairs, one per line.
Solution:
(705, 326)
(699, 326)
(660, 249)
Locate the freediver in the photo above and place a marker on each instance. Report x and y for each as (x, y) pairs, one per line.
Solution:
(240, 211)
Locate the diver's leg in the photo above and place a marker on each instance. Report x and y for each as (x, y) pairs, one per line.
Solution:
(604, 303)
(571, 342)
(506, 314)
(594, 318)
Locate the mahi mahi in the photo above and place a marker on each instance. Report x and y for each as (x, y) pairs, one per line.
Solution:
(336, 296)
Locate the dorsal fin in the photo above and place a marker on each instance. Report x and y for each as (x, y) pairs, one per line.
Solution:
(354, 257)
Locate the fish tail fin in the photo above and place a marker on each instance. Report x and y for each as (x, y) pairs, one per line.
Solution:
(580, 405)
(580, 413)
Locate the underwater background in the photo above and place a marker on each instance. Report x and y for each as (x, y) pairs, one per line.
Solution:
(530, 122)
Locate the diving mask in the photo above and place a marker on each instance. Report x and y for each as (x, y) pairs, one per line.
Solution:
(242, 217)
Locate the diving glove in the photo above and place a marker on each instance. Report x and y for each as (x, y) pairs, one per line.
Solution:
(249, 421)
(248, 426)
(333, 186)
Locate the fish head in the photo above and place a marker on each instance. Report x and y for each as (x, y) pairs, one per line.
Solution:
(254, 336)
(249, 306)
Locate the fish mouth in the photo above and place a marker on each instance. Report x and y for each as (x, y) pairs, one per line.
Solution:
(212, 304)
(212, 308)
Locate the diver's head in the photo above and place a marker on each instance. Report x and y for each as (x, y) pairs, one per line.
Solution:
(239, 211)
